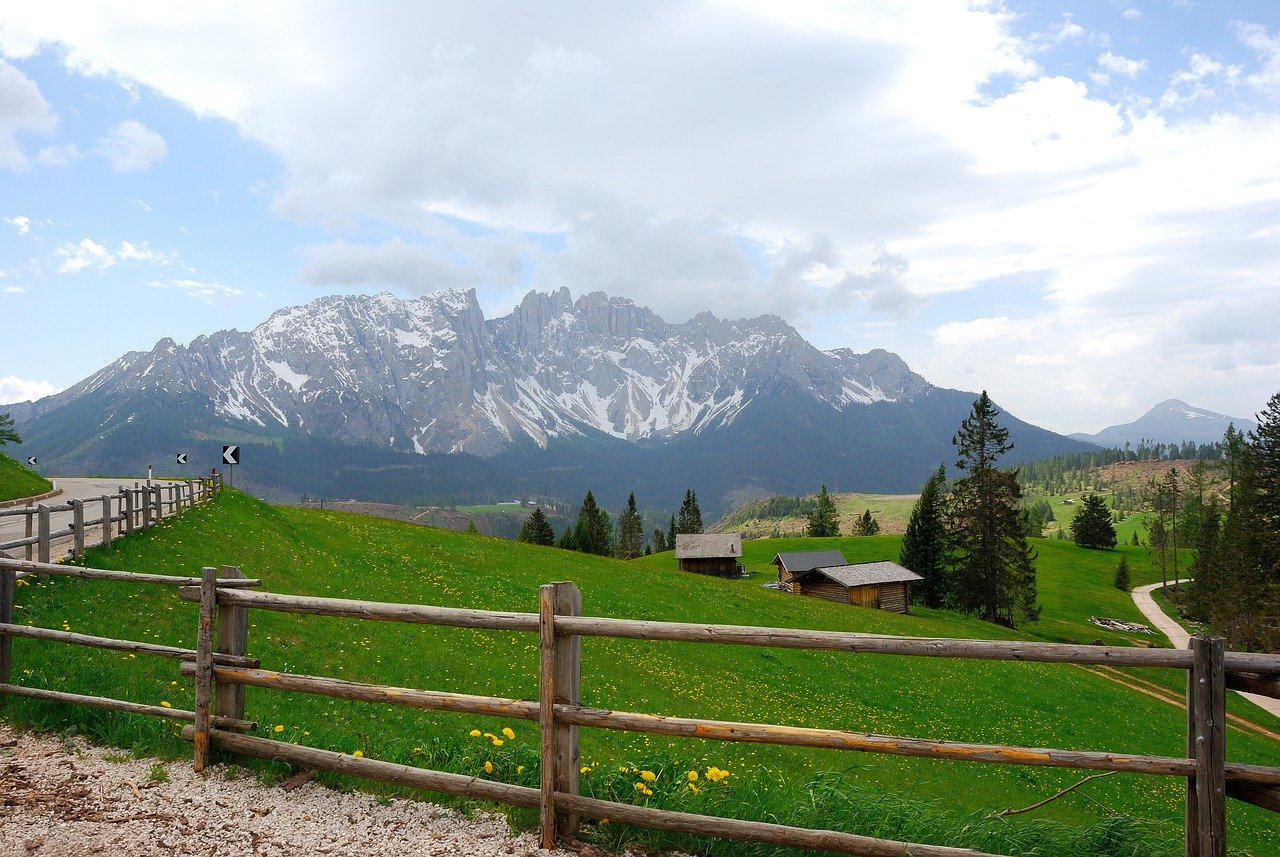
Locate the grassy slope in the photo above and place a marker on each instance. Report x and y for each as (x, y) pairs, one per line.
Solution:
(325, 553)
(17, 481)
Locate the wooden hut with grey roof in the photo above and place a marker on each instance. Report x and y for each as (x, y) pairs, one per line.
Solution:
(710, 553)
(878, 585)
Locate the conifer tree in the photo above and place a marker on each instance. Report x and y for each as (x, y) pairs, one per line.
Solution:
(536, 530)
(630, 531)
(690, 514)
(924, 544)
(593, 531)
(658, 540)
(472, 529)
(866, 525)
(671, 534)
(995, 575)
(1092, 527)
(824, 520)
(1122, 574)
(7, 433)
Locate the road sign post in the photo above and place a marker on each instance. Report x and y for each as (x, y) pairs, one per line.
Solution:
(231, 457)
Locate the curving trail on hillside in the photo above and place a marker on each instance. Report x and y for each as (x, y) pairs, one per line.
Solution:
(1180, 639)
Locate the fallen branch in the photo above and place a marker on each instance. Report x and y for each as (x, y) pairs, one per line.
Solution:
(1005, 813)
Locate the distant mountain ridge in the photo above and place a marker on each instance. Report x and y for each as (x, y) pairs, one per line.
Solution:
(557, 396)
(1171, 421)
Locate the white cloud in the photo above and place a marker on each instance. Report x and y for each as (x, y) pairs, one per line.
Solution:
(205, 292)
(964, 334)
(131, 146)
(1198, 81)
(1117, 64)
(22, 224)
(58, 156)
(1131, 14)
(88, 253)
(13, 290)
(22, 108)
(1267, 45)
(14, 389)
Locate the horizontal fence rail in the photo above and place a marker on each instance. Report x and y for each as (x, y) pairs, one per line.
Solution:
(135, 508)
(222, 669)
(559, 713)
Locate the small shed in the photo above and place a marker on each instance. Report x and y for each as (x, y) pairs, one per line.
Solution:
(878, 585)
(710, 553)
(792, 564)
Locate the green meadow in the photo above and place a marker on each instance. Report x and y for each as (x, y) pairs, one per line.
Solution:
(17, 481)
(325, 553)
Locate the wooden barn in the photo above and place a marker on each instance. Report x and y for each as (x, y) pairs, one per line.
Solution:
(710, 553)
(878, 585)
(792, 564)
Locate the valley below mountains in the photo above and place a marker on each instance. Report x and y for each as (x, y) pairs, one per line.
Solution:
(426, 400)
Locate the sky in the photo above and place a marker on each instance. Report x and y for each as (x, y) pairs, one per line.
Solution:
(1072, 205)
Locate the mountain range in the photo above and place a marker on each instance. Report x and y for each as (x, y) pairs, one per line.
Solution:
(1171, 421)
(426, 399)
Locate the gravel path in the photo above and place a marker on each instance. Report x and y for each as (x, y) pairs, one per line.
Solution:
(1180, 639)
(73, 799)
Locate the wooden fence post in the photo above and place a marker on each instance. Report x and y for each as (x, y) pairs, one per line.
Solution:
(233, 639)
(144, 501)
(127, 496)
(8, 583)
(1206, 820)
(77, 525)
(560, 672)
(106, 520)
(204, 663)
(43, 533)
(31, 518)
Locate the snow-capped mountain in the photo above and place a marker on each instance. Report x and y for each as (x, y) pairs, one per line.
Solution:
(426, 400)
(433, 375)
(1171, 421)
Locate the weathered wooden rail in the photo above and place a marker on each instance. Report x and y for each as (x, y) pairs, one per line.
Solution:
(559, 713)
(122, 513)
(230, 653)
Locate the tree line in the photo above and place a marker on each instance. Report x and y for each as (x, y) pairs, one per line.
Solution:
(595, 532)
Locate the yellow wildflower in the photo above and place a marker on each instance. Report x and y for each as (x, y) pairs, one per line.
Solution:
(165, 703)
(488, 767)
(519, 769)
(584, 770)
(648, 776)
(279, 727)
(474, 733)
(507, 730)
(359, 754)
(693, 776)
(498, 742)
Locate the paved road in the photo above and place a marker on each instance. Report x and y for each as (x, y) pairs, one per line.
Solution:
(1180, 639)
(14, 527)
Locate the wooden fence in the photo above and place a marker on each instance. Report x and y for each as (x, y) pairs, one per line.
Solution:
(221, 667)
(136, 508)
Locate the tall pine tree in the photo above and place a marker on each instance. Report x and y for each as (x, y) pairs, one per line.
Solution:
(924, 544)
(536, 530)
(593, 531)
(630, 531)
(995, 571)
(690, 515)
(1092, 527)
(824, 520)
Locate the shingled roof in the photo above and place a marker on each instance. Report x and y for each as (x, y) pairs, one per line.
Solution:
(708, 545)
(798, 561)
(867, 573)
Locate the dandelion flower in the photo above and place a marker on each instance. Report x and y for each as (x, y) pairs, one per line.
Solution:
(648, 776)
(279, 727)
(359, 754)
(165, 703)
(693, 776)
(488, 767)
(584, 770)
(498, 742)
(519, 769)
(507, 730)
(474, 733)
